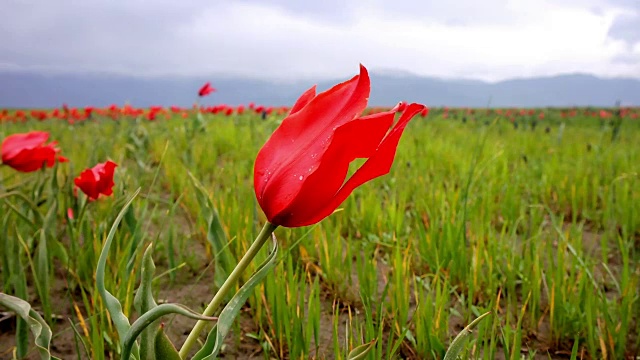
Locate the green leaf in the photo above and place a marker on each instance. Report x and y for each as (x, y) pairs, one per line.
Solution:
(42, 274)
(18, 281)
(144, 302)
(458, 343)
(152, 315)
(361, 351)
(111, 302)
(132, 224)
(164, 349)
(22, 215)
(30, 204)
(216, 235)
(38, 326)
(58, 250)
(201, 123)
(216, 336)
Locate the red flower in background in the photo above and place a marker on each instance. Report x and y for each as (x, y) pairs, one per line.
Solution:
(604, 114)
(205, 90)
(97, 180)
(28, 152)
(299, 174)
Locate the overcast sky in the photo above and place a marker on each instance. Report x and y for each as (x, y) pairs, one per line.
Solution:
(295, 39)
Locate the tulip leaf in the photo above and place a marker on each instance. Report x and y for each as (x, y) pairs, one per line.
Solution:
(458, 343)
(144, 302)
(216, 235)
(41, 275)
(361, 351)
(164, 348)
(216, 336)
(39, 328)
(132, 224)
(200, 125)
(42, 261)
(112, 304)
(34, 208)
(150, 317)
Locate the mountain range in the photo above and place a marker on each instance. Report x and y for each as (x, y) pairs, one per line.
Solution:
(34, 90)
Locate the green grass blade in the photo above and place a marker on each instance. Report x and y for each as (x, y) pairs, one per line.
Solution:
(144, 302)
(458, 343)
(360, 352)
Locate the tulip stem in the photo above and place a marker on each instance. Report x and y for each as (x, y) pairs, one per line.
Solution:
(228, 285)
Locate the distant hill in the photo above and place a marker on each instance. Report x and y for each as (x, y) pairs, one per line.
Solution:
(45, 91)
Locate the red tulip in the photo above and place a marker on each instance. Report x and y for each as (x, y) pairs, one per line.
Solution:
(205, 90)
(28, 152)
(299, 174)
(97, 180)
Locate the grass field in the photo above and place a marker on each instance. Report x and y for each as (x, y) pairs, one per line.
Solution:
(536, 219)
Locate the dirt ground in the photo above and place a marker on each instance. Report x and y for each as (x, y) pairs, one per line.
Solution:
(240, 345)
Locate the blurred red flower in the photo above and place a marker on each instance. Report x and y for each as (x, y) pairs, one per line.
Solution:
(205, 90)
(299, 174)
(28, 152)
(97, 180)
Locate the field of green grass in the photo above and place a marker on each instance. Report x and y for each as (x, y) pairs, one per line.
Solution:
(540, 225)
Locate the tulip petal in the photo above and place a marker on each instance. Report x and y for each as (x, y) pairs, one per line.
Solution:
(298, 143)
(28, 160)
(97, 180)
(304, 99)
(356, 139)
(377, 165)
(15, 143)
(87, 183)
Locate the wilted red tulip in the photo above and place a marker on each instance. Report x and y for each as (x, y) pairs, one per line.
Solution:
(97, 180)
(205, 90)
(28, 152)
(299, 174)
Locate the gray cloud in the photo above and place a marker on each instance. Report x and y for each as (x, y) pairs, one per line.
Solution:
(292, 39)
(94, 35)
(627, 28)
(458, 13)
(331, 11)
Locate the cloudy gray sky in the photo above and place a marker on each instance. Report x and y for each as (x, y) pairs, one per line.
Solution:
(289, 39)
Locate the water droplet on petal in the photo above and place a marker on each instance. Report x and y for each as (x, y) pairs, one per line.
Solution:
(301, 177)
